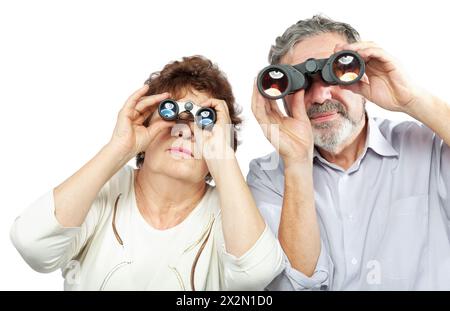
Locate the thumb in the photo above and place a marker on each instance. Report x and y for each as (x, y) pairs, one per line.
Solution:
(298, 106)
(158, 126)
(362, 87)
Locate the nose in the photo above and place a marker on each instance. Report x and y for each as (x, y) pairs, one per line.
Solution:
(319, 91)
(182, 130)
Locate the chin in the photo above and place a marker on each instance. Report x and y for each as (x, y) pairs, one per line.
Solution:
(178, 167)
(183, 171)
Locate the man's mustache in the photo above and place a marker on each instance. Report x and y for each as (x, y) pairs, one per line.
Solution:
(327, 106)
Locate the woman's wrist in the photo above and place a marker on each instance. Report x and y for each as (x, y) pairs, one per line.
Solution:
(221, 168)
(116, 154)
(214, 159)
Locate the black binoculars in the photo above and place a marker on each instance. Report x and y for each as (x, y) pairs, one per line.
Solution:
(171, 110)
(343, 68)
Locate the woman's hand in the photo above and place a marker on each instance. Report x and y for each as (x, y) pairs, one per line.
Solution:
(216, 144)
(130, 136)
(291, 136)
(74, 197)
(242, 224)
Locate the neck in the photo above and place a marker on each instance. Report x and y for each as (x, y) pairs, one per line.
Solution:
(349, 152)
(164, 202)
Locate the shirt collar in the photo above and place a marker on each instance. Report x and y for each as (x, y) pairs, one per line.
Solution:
(374, 140)
(377, 142)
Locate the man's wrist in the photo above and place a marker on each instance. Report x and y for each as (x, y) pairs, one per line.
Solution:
(297, 164)
(422, 102)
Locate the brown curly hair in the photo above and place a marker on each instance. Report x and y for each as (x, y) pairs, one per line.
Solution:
(193, 73)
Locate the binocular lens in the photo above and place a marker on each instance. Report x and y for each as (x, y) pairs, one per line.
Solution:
(206, 118)
(274, 82)
(168, 110)
(347, 68)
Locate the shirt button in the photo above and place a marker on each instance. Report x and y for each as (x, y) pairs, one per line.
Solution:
(354, 261)
(345, 177)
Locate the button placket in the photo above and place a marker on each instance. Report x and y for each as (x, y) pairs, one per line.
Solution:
(344, 187)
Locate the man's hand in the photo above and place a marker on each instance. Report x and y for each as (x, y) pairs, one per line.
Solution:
(291, 136)
(384, 82)
(386, 85)
(298, 232)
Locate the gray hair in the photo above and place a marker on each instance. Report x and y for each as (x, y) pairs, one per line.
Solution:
(303, 29)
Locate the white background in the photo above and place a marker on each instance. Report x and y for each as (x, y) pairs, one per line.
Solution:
(66, 68)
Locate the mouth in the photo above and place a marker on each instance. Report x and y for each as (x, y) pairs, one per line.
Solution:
(325, 116)
(180, 151)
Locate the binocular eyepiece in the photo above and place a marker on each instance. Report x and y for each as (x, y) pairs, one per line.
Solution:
(343, 68)
(171, 110)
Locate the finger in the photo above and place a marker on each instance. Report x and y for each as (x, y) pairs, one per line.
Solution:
(298, 108)
(275, 109)
(144, 116)
(221, 108)
(367, 50)
(149, 101)
(365, 78)
(378, 54)
(362, 88)
(157, 126)
(217, 104)
(262, 114)
(148, 114)
(132, 100)
(373, 52)
(145, 104)
(258, 109)
(355, 46)
(271, 111)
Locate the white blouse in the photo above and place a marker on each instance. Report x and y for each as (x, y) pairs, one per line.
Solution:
(116, 249)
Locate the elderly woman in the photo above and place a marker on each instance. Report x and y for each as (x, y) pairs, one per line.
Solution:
(162, 226)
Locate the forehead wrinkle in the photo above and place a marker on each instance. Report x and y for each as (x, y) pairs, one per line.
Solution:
(324, 50)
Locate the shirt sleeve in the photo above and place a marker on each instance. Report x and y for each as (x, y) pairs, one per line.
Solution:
(44, 243)
(293, 280)
(269, 200)
(255, 269)
(442, 155)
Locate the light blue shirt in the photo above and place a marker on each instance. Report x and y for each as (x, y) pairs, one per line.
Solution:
(384, 222)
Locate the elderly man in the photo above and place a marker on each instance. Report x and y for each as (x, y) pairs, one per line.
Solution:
(358, 203)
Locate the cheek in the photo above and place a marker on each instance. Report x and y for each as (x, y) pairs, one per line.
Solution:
(160, 142)
(203, 167)
(353, 103)
(346, 97)
(194, 170)
(198, 168)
